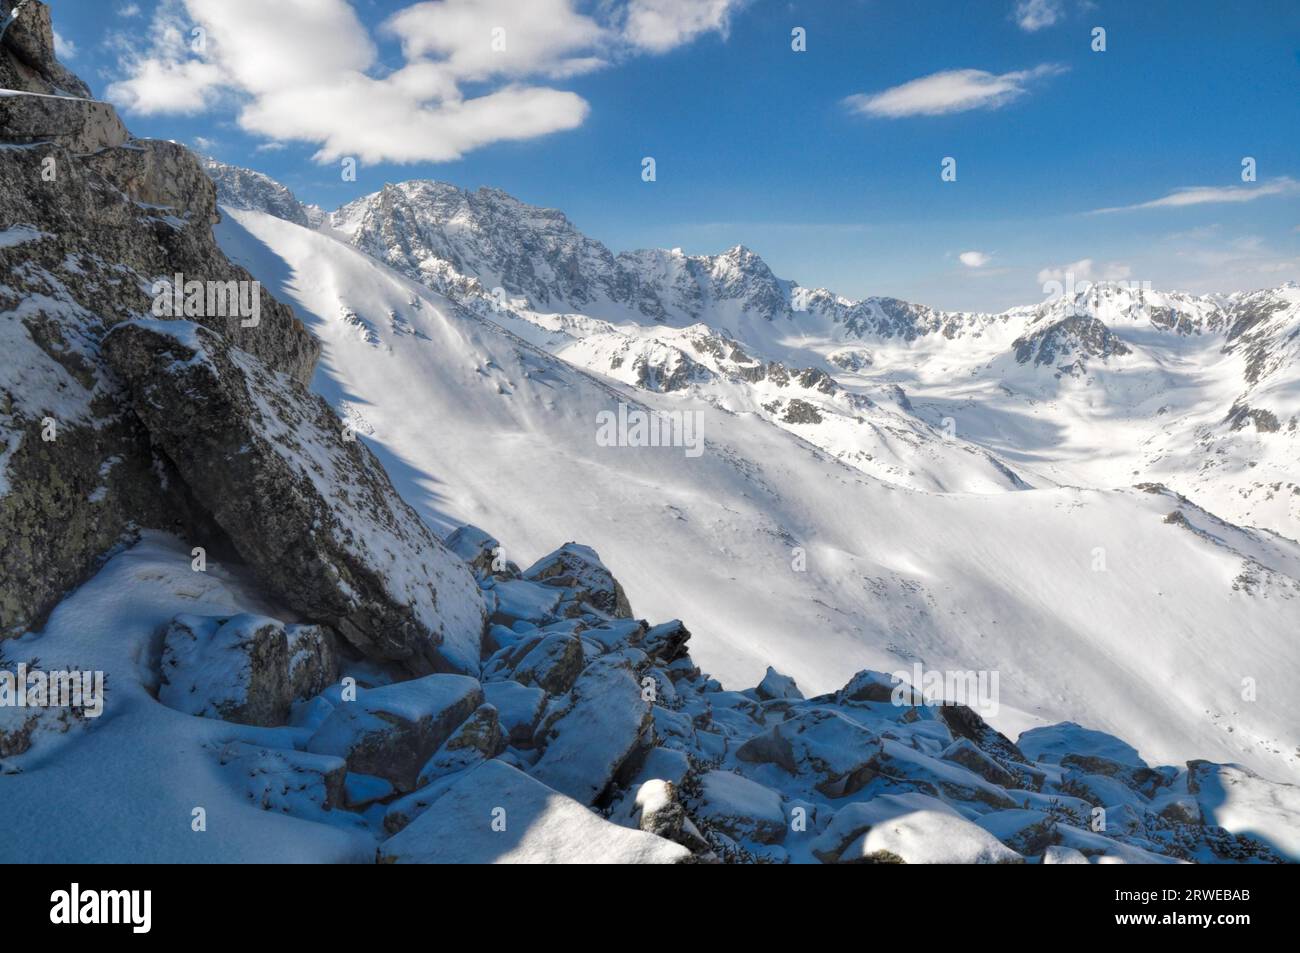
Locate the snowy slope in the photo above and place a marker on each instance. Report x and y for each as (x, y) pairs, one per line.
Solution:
(476, 425)
(124, 786)
(1104, 386)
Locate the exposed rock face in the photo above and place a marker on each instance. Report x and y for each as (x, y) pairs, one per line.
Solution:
(1078, 336)
(304, 503)
(29, 63)
(89, 220)
(246, 189)
(313, 659)
(478, 739)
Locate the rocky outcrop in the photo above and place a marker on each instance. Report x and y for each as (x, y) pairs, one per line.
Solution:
(91, 220)
(246, 189)
(579, 570)
(28, 62)
(303, 501)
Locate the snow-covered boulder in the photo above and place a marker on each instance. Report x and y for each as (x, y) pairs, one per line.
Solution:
(869, 686)
(965, 722)
(514, 600)
(655, 806)
(519, 709)
(776, 686)
(853, 819)
(666, 642)
(963, 751)
(743, 809)
(599, 724)
(497, 814)
(1052, 742)
(1028, 832)
(283, 780)
(392, 731)
(927, 837)
(234, 669)
(553, 663)
(475, 741)
(305, 503)
(953, 781)
(836, 751)
(475, 547)
(578, 569)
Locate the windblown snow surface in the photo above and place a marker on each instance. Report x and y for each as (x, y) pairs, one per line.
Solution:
(1129, 610)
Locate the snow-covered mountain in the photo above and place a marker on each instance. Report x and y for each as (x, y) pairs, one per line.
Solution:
(1106, 386)
(247, 189)
(456, 400)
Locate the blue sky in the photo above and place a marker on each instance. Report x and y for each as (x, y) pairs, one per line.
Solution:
(826, 162)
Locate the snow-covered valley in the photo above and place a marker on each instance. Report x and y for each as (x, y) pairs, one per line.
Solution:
(1092, 598)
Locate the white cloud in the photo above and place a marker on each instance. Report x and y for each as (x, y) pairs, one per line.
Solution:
(949, 92)
(1086, 270)
(309, 70)
(1209, 194)
(64, 49)
(661, 25)
(974, 259)
(167, 75)
(542, 37)
(129, 10)
(1034, 15)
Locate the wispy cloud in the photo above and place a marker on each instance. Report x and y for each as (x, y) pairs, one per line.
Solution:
(1034, 15)
(64, 49)
(1086, 270)
(661, 25)
(974, 259)
(951, 91)
(1211, 195)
